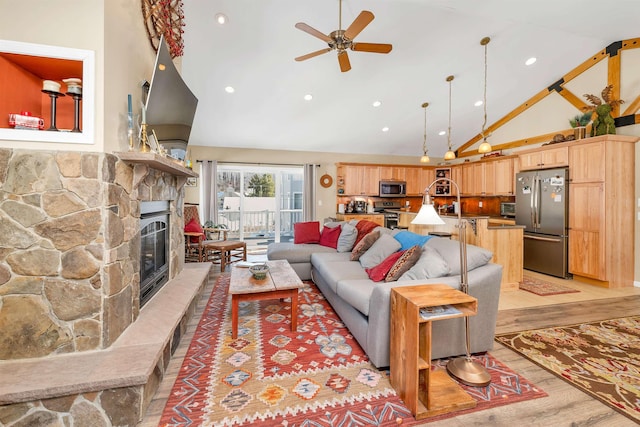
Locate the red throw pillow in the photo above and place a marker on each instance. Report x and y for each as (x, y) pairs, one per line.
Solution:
(379, 272)
(364, 227)
(193, 226)
(306, 232)
(329, 236)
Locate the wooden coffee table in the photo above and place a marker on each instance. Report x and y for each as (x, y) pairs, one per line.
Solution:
(281, 282)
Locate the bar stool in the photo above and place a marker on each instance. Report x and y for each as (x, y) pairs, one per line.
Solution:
(440, 234)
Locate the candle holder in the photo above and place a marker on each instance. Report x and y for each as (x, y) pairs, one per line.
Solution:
(144, 146)
(77, 97)
(54, 99)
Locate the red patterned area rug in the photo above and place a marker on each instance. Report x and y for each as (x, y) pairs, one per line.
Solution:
(600, 358)
(318, 376)
(543, 288)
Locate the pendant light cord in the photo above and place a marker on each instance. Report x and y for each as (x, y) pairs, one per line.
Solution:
(424, 143)
(449, 79)
(484, 124)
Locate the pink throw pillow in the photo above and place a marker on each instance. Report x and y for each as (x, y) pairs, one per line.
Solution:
(306, 232)
(329, 236)
(379, 272)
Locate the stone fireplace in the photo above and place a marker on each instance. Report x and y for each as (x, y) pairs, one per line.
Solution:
(70, 263)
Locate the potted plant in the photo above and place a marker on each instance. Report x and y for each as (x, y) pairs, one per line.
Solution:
(579, 123)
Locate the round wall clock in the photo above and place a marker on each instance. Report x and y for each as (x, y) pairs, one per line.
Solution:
(326, 180)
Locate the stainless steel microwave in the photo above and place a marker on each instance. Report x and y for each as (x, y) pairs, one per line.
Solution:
(508, 209)
(393, 188)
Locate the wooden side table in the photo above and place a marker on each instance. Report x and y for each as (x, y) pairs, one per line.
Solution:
(425, 393)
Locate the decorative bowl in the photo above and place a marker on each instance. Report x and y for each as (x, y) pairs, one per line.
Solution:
(259, 271)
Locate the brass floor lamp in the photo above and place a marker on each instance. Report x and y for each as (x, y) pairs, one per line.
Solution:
(464, 368)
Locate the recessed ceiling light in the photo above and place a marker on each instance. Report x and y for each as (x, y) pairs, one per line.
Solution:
(308, 97)
(478, 103)
(221, 18)
(530, 61)
(385, 129)
(377, 103)
(442, 132)
(229, 89)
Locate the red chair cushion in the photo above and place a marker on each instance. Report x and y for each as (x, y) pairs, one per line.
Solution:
(194, 226)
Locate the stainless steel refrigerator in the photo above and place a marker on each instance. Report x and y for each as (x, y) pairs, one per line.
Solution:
(542, 207)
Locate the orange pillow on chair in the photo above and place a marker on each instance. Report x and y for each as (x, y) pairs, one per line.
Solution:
(194, 227)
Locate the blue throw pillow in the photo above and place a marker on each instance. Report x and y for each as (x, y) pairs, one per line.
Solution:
(408, 239)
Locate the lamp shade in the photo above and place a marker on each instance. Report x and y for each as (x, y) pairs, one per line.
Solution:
(485, 147)
(427, 215)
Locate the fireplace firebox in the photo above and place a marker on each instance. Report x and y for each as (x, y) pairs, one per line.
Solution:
(154, 248)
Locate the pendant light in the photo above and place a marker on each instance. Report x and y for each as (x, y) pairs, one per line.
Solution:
(485, 147)
(425, 156)
(449, 155)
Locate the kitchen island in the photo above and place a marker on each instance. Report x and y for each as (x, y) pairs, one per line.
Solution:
(500, 236)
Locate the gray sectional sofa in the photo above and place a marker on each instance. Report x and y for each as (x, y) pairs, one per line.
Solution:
(364, 305)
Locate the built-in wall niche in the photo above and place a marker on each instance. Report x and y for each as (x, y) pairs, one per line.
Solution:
(23, 68)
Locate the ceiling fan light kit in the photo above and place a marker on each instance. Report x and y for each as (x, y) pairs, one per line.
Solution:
(342, 40)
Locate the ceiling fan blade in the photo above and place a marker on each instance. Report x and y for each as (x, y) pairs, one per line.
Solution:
(358, 24)
(372, 47)
(343, 60)
(310, 30)
(312, 54)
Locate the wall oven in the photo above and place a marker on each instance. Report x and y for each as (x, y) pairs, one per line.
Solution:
(393, 188)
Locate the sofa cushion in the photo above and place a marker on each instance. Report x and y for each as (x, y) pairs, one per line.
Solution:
(405, 262)
(356, 292)
(408, 239)
(334, 271)
(329, 236)
(381, 249)
(364, 227)
(295, 253)
(379, 272)
(429, 265)
(306, 232)
(363, 245)
(347, 238)
(450, 251)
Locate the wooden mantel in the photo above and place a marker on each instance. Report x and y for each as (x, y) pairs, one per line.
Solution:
(156, 161)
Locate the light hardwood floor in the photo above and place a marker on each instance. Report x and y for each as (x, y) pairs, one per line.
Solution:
(519, 310)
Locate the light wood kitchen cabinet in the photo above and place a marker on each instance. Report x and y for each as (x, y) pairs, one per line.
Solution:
(473, 180)
(544, 158)
(499, 177)
(456, 175)
(377, 218)
(360, 180)
(413, 176)
(427, 176)
(586, 231)
(393, 173)
(601, 209)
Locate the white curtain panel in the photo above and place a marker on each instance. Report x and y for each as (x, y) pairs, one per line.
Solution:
(309, 200)
(208, 191)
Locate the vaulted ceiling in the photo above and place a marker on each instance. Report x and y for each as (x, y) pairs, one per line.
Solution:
(254, 53)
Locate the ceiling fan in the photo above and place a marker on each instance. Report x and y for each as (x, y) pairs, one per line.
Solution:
(341, 40)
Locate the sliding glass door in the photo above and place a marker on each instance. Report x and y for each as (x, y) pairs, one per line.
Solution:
(259, 203)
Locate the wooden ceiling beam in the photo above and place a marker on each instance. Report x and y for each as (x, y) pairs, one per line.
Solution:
(632, 107)
(612, 52)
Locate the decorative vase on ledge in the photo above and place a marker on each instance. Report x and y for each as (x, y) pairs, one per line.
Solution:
(580, 132)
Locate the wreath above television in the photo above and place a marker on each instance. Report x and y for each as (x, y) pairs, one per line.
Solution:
(164, 17)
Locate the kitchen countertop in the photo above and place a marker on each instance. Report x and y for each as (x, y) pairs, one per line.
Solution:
(472, 216)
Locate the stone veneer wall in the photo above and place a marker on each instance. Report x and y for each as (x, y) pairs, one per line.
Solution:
(70, 248)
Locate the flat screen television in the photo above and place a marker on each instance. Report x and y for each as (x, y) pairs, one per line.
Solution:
(170, 105)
